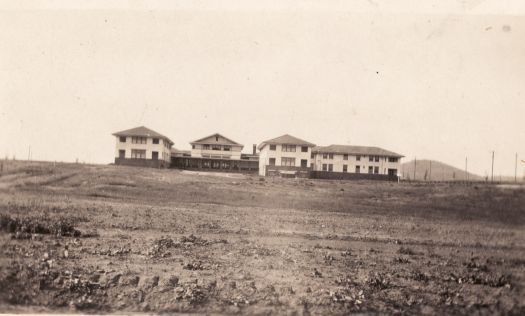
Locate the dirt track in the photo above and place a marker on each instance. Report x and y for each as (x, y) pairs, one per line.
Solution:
(109, 239)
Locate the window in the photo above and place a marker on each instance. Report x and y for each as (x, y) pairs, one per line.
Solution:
(376, 170)
(304, 149)
(155, 140)
(192, 146)
(288, 148)
(138, 140)
(216, 138)
(304, 163)
(370, 169)
(215, 147)
(357, 169)
(330, 156)
(371, 158)
(273, 147)
(325, 156)
(345, 157)
(358, 158)
(345, 168)
(122, 153)
(138, 154)
(312, 156)
(206, 147)
(155, 155)
(330, 167)
(272, 161)
(377, 158)
(226, 148)
(290, 162)
(325, 167)
(392, 159)
(122, 139)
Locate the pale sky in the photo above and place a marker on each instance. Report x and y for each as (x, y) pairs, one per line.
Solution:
(433, 79)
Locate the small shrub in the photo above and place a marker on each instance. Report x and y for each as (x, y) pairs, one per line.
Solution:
(406, 251)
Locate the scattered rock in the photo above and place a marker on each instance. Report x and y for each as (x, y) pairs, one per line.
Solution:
(171, 281)
(193, 266)
(108, 280)
(150, 282)
(129, 280)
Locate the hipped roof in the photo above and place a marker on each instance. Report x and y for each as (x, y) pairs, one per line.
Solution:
(142, 131)
(285, 139)
(356, 150)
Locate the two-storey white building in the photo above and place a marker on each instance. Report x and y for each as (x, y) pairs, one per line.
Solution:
(141, 146)
(356, 160)
(285, 155)
(215, 153)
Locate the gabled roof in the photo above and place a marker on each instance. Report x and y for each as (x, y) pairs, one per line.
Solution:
(285, 139)
(228, 141)
(143, 132)
(355, 150)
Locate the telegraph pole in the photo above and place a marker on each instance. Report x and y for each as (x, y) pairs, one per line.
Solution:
(430, 173)
(516, 169)
(415, 168)
(492, 168)
(466, 172)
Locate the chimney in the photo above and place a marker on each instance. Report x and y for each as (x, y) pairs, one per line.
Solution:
(254, 148)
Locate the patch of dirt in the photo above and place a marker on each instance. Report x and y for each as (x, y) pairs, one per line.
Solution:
(165, 241)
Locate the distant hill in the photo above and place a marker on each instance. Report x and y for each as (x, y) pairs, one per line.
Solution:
(440, 171)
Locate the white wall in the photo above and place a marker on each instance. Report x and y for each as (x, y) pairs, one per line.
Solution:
(164, 153)
(265, 155)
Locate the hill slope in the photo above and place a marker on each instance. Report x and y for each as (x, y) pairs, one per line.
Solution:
(438, 171)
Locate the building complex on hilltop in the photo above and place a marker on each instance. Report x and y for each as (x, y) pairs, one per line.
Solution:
(285, 156)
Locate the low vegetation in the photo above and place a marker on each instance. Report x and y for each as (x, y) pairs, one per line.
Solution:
(121, 239)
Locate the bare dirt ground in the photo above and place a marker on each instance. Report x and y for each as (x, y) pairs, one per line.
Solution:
(81, 238)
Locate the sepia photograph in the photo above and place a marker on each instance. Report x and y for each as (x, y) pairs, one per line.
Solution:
(278, 157)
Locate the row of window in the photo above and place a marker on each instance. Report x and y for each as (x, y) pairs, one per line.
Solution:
(138, 154)
(289, 148)
(217, 156)
(357, 158)
(214, 147)
(143, 140)
(141, 154)
(289, 162)
(371, 170)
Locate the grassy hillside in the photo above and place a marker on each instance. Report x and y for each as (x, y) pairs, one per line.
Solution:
(114, 239)
(437, 172)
